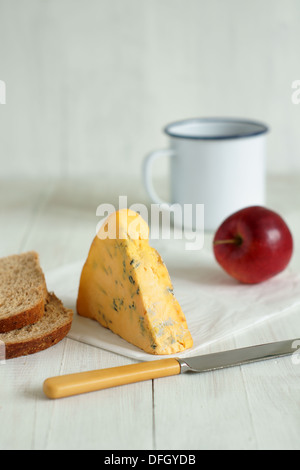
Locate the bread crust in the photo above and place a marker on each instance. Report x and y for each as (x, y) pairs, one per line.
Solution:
(35, 345)
(28, 317)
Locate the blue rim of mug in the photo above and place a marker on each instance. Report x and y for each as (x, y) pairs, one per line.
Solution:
(263, 129)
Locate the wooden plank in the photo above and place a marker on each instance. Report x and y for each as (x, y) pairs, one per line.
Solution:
(272, 388)
(203, 411)
(117, 418)
(255, 406)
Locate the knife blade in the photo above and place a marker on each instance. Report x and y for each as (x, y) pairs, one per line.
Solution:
(236, 357)
(83, 382)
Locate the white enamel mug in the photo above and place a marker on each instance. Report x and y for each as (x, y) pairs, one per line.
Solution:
(218, 162)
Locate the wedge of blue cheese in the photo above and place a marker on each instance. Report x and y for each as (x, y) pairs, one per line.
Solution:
(126, 287)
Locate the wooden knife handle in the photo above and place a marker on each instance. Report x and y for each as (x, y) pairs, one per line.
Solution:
(83, 382)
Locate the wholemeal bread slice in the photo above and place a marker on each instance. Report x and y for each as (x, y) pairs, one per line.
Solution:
(23, 291)
(52, 328)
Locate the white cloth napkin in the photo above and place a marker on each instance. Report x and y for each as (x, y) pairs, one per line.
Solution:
(215, 305)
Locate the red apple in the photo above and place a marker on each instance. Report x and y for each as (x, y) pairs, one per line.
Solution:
(253, 245)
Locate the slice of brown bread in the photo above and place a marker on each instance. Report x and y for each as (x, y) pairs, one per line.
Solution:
(52, 328)
(23, 291)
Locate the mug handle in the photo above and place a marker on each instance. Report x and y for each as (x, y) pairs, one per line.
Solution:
(147, 173)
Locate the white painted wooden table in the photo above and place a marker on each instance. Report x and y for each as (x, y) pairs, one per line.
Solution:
(251, 407)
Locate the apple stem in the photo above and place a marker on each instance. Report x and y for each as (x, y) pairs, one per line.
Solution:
(234, 241)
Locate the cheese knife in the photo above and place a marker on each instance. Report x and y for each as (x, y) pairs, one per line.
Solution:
(83, 382)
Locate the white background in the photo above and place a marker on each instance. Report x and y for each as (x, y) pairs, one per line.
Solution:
(91, 84)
